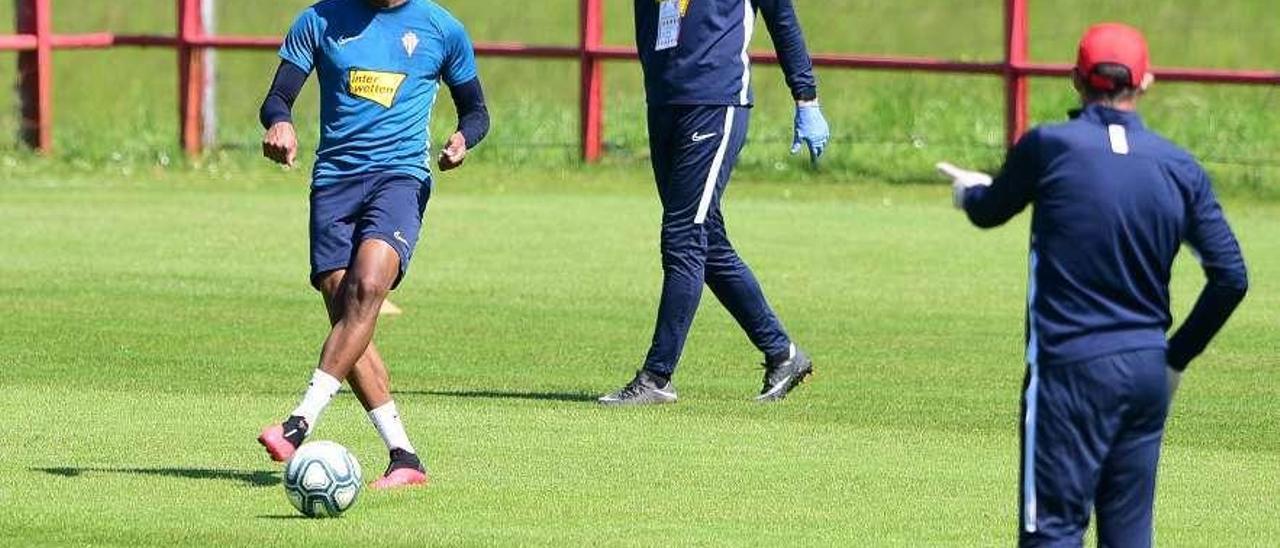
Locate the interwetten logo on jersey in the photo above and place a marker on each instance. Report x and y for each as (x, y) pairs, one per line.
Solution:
(379, 87)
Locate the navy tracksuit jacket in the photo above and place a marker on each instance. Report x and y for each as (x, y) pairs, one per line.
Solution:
(699, 96)
(1113, 204)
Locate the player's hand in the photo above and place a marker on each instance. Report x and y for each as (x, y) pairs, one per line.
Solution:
(962, 180)
(454, 153)
(1174, 378)
(280, 144)
(811, 131)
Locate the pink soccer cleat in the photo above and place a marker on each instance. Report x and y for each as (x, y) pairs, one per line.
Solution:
(280, 443)
(400, 477)
(405, 470)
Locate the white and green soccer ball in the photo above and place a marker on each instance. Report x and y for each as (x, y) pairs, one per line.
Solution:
(322, 480)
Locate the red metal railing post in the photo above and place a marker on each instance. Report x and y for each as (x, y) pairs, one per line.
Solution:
(35, 74)
(591, 15)
(35, 42)
(1015, 58)
(190, 75)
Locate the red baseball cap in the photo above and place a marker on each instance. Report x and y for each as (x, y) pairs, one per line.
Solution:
(1113, 43)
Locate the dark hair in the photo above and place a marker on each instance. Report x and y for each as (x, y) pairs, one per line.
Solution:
(1120, 78)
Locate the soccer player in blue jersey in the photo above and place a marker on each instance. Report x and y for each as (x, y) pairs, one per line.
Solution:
(1113, 203)
(379, 64)
(697, 75)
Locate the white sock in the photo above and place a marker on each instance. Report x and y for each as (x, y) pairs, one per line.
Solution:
(323, 387)
(387, 420)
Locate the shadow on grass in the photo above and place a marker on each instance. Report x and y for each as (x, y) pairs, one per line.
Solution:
(504, 395)
(283, 516)
(257, 478)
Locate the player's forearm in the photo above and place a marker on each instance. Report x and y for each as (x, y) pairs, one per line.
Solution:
(285, 87)
(1011, 191)
(1212, 310)
(986, 209)
(473, 113)
(788, 42)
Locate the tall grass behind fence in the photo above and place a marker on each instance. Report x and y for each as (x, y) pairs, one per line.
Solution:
(116, 107)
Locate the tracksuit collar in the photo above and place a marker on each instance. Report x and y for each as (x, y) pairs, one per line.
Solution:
(1104, 115)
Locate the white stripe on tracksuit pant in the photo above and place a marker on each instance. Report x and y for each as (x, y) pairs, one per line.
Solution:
(694, 149)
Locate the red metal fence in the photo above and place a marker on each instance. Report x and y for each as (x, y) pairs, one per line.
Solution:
(36, 42)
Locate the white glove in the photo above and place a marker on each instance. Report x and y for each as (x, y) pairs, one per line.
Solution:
(962, 180)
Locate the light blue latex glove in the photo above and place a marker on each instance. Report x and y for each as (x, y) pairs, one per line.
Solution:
(812, 131)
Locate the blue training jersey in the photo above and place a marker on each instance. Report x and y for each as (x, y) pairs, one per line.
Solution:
(708, 64)
(1114, 203)
(379, 73)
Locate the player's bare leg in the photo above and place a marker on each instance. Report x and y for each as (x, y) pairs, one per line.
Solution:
(360, 296)
(360, 292)
(370, 381)
(353, 298)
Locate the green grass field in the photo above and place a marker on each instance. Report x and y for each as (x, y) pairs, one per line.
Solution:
(153, 327)
(155, 310)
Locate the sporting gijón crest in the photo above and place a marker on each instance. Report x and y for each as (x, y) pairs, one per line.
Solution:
(410, 43)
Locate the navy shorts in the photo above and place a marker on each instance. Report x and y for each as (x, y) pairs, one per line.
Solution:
(1090, 444)
(380, 206)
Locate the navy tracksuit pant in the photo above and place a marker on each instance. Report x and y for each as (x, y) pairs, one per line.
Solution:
(1091, 437)
(694, 149)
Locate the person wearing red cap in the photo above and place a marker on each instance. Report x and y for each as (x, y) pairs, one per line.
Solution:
(1113, 203)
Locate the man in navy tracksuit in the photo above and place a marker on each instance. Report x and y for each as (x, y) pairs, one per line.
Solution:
(698, 82)
(1113, 202)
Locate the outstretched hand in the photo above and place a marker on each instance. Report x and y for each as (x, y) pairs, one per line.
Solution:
(811, 130)
(454, 153)
(962, 180)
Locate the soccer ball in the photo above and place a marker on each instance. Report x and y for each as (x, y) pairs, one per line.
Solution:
(322, 480)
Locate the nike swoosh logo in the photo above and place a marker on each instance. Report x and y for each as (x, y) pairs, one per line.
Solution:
(345, 40)
(778, 387)
(400, 236)
(662, 393)
(698, 137)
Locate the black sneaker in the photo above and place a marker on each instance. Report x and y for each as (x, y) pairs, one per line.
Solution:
(782, 376)
(646, 389)
(405, 470)
(403, 459)
(281, 440)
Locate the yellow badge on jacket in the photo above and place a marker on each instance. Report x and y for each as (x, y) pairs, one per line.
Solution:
(379, 87)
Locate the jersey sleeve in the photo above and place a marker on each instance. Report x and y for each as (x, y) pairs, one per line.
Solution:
(278, 106)
(788, 41)
(460, 59)
(302, 41)
(1209, 235)
(1013, 189)
(1212, 238)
